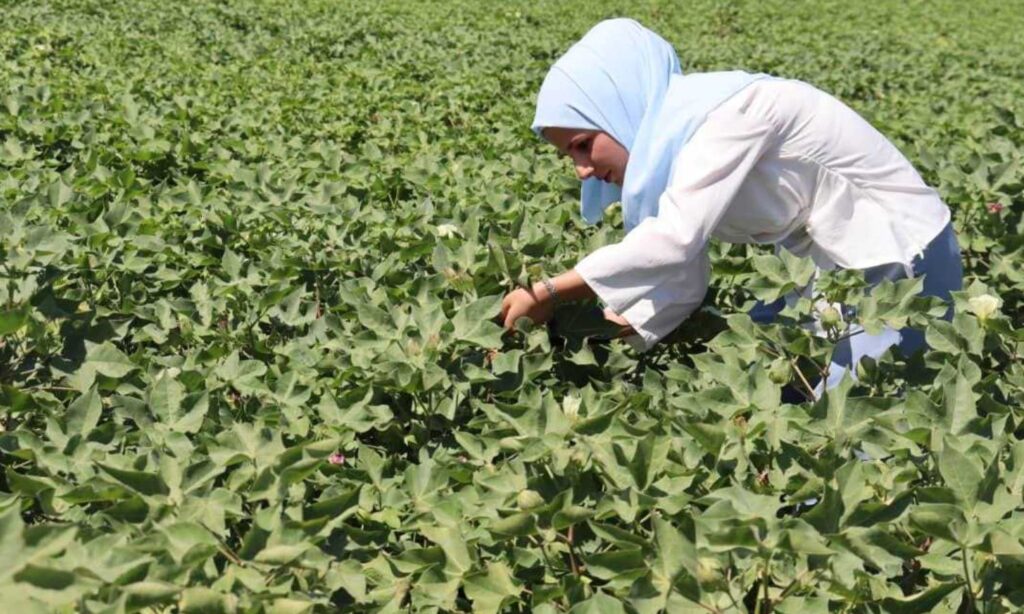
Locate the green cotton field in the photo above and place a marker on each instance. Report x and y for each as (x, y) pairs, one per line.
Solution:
(250, 253)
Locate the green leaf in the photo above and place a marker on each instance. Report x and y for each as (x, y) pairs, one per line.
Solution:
(938, 520)
(244, 375)
(84, 413)
(578, 321)
(231, 264)
(489, 591)
(12, 320)
(615, 563)
(961, 473)
(165, 397)
(144, 483)
(960, 404)
(110, 361)
(456, 553)
(149, 593)
(676, 553)
(475, 324)
(599, 603)
(46, 578)
(919, 603)
(202, 600)
(281, 554)
(779, 274)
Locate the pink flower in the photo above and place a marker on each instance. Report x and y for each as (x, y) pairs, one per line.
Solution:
(994, 208)
(336, 459)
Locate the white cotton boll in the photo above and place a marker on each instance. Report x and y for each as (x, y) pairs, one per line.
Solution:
(447, 230)
(984, 306)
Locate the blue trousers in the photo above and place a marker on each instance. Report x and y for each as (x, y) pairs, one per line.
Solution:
(942, 269)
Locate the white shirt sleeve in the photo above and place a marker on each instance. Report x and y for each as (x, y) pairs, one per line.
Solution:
(658, 274)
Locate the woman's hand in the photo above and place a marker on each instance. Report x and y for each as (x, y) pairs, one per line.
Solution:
(627, 328)
(535, 303)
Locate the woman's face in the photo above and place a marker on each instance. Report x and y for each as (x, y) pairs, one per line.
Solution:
(594, 153)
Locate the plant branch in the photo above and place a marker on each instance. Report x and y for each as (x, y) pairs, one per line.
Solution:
(803, 380)
(964, 558)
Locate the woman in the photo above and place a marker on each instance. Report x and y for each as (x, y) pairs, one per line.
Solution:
(740, 157)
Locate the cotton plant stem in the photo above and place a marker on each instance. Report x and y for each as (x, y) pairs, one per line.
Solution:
(728, 583)
(763, 603)
(572, 556)
(543, 551)
(764, 585)
(964, 558)
(795, 583)
(803, 380)
(225, 549)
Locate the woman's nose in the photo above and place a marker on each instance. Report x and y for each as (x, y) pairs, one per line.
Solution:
(584, 172)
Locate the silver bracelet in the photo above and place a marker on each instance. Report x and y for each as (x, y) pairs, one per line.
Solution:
(551, 290)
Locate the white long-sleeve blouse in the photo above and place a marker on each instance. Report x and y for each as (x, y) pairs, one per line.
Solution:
(779, 162)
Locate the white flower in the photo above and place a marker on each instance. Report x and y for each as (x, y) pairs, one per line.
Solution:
(571, 407)
(984, 306)
(447, 230)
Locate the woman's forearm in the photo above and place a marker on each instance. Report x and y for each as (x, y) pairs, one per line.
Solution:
(569, 286)
(538, 304)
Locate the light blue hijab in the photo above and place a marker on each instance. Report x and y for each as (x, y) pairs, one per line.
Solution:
(625, 80)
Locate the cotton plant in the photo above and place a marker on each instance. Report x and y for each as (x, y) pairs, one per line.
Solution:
(248, 361)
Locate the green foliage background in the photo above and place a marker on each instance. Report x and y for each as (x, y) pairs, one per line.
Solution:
(249, 253)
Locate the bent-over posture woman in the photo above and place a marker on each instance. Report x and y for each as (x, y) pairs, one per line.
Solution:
(740, 157)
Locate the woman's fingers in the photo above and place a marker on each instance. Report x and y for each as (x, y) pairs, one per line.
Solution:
(516, 305)
(517, 309)
(510, 319)
(614, 317)
(507, 309)
(520, 303)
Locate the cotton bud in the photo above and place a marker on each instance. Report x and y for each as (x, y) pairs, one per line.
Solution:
(779, 371)
(984, 306)
(865, 368)
(830, 317)
(447, 230)
(529, 499)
